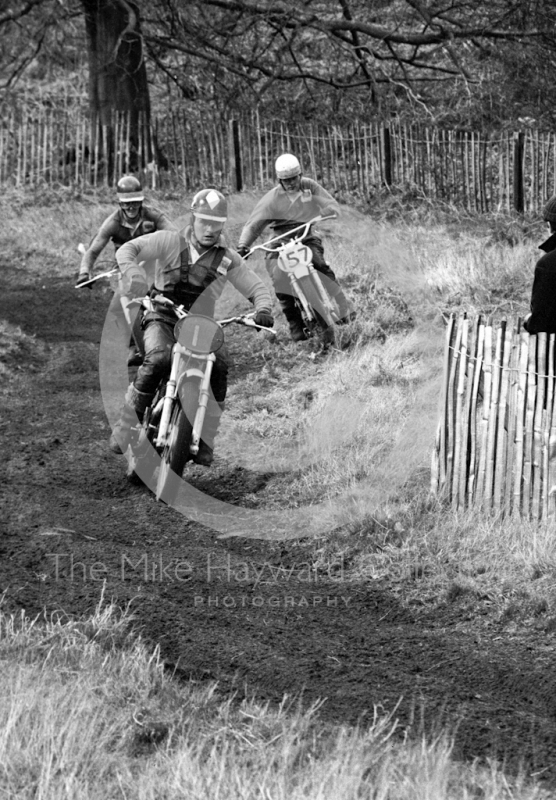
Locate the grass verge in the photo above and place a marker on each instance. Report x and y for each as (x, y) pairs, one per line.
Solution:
(87, 711)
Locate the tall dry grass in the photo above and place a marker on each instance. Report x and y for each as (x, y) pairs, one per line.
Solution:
(87, 712)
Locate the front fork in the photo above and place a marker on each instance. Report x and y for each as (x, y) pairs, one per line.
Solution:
(204, 373)
(204, 394)
(313, 275)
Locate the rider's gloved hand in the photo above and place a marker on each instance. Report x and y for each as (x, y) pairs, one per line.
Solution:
(82, 276)
(264, 318)
(138, 287)
(243, 251)
(328, 212)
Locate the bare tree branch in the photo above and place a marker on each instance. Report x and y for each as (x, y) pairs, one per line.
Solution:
(11, 16)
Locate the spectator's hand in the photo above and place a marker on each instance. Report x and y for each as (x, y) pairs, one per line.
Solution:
(264, 318)
(82, 276)
(243, 251)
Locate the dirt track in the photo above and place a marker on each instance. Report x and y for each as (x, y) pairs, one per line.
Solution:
(250, 614)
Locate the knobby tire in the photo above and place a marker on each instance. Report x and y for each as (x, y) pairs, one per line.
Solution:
(175, 454)
(325, 321)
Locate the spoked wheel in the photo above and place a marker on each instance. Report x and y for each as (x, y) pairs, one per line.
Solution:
(174, 456)
(176, 453)
(325, 322)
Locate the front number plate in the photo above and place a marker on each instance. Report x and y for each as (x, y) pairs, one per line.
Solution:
(294, 255)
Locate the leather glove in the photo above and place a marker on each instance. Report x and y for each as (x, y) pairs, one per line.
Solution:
(138, 287)
(264, 318)
(82, 276)
(243, 251)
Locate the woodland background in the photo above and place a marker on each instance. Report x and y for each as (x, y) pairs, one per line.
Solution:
(444, 63)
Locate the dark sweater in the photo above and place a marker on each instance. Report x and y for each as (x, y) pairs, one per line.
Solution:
(543, 294)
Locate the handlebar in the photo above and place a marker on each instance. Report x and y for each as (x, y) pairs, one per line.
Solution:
(304, 227)
(241, 319)
(81, 248)
(92, 280)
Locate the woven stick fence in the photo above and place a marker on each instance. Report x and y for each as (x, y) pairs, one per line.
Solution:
(57, 145)
(496, 440)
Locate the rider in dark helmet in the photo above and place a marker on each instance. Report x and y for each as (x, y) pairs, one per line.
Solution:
(192, 268)
(130, 220)
(543, 296)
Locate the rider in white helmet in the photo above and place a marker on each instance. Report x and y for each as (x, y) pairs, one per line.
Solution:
(192, 266)
(295, 200)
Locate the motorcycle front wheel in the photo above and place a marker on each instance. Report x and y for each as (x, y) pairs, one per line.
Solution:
(176, 454)
(324, 320)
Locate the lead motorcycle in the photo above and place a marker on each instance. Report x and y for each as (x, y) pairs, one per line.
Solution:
(318, 309)
(172, 427)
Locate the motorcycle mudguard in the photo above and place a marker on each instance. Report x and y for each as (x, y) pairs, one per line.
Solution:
(301, 271)
(203, 376)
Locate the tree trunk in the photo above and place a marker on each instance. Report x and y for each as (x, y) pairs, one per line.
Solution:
(118, 88)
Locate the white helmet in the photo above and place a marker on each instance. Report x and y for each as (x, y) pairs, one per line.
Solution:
(210, 204)
(287, 166)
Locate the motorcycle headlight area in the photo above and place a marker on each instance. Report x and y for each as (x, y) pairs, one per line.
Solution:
(199, 334)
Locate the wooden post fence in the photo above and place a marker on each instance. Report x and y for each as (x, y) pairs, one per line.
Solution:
(518, 192)
(495, 447)
(478, 171)
(387, 156)
(236, 177)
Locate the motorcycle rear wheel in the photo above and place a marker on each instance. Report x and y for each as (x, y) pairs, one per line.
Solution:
(141, 459)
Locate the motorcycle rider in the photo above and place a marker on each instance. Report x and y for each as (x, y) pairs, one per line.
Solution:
(192, 266)
(130, 220)
(295, 200)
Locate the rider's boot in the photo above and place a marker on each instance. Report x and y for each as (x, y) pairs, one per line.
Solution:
(133, 409)
(205, 456)
(293, 316)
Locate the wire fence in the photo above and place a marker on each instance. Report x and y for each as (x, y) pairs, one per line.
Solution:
(477, 171)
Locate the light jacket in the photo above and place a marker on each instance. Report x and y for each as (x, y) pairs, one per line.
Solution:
(164, 259)
(282, 211)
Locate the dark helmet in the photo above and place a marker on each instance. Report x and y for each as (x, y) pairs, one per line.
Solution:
(549, 213)
(210, 204)
(129, 190)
